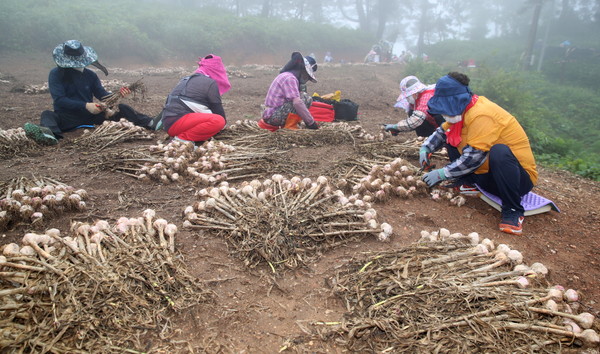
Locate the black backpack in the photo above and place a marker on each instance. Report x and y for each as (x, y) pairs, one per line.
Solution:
(345, 110)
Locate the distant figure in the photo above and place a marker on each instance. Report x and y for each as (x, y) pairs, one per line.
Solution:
(565, 44)
(402, 57)
(193, 111)
(328, 58)
(286, 105)
(73, 89)
(372, 56)
(413, 98)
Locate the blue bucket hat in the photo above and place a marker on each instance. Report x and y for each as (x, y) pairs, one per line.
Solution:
(450, 97)
(72, 54)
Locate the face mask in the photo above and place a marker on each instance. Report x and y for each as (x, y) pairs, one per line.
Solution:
(452, 119)
(411, 100)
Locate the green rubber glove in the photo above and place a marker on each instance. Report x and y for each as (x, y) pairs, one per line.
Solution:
(434, 177)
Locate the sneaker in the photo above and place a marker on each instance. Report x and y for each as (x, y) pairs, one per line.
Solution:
(467, 189)
(39, 134)
(156, 122)
(512, 225)
(463, 188)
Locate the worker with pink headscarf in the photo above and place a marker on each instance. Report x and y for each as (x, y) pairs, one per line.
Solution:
(193, 111)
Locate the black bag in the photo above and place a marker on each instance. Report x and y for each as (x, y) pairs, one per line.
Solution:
(345, 110)
(321, 99)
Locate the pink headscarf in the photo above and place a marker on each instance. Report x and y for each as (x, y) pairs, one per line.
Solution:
(212, 66)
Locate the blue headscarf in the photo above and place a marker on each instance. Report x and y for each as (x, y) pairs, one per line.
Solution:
(450, 97)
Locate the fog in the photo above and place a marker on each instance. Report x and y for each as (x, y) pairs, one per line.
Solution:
(410, 24)
(159, 29)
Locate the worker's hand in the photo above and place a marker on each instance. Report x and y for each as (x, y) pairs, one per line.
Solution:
(424, 156)
(434, 177)
(94, 108)
(124, 91)
(313, 126)
(392, 128)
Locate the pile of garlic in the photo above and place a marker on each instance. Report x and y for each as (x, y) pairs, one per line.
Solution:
(95, 240)
(14, 141)
(110, 133)
(280, 213)
(72, 278)
(206, 164)
(397, 178)
(34, 201)
(562, 306)
(36, 89)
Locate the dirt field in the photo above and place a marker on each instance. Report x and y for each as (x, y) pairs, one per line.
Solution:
(250, 313)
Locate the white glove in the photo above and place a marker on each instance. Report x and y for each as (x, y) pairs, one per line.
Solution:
(94, 108)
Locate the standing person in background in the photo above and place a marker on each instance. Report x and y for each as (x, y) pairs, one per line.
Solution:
(193, 111)
(286, 102)
(494, 149)
(328, 58)
(73, 89)
(413, 98)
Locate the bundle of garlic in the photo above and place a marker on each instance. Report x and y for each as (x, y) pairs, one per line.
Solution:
(247, 133)
(137, 87)
(452, 292)
(375, 182)
(111, 133)
(395, 147)
(208, 164)
(33, 201)
(97, 289)
(14, 142)
(282, 222)
(113, 85)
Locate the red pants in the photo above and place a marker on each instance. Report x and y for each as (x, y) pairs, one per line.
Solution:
(197, 126)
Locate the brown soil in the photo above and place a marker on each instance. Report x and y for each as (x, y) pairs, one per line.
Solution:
(250, 314)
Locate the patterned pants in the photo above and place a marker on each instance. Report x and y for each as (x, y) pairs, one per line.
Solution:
(280, 115)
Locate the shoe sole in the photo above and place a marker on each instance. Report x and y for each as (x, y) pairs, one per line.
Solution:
(36, 134)
(508, 230)
(468, 191)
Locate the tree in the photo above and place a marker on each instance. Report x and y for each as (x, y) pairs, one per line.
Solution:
(537, 9)
(266, 8)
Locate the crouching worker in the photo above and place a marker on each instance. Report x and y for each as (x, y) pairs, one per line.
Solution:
(73, 88)
(413, 98)
(193, 111)
(494, 149)
(285, 104)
